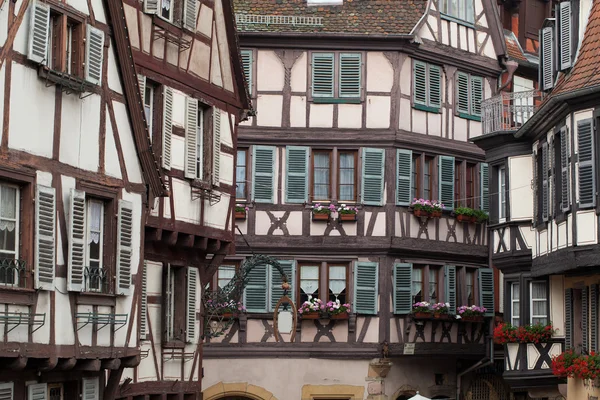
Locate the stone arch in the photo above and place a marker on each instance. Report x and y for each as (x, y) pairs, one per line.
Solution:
(405, 390)
(222, 391)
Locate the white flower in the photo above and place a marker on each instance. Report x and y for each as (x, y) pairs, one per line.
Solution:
(447, 304)
(458, 317)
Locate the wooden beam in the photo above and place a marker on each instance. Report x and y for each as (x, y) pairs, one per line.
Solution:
(153, 234)
(12, 32)
(111, 363)
(48, 364)
(170, 238)
(201, 242)
(110, 392)
(130, 362)
(88, 365)
(213, 246)
(185, 240)
(66, 363)
(18, 364)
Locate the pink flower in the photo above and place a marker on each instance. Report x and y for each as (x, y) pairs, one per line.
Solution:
(300, 311)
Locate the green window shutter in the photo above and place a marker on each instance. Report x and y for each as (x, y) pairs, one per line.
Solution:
(476, 95)
(322, 74)
(420, 83)
(247, 57)
(350, 74)
(587, 184)
(446, 177)
(450, 288)
(484, 187)
(366, 278)
(486, 290)
(404, 175)
(568, 319)
(263, 174)
(435, 86)
(402, 288)
(296, 182)
(373, 161)
(462, 93)
(289, 267)
(255, 294)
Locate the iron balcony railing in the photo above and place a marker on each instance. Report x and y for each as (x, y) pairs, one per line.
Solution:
(509, 111)
(96, 279)
(13, 272)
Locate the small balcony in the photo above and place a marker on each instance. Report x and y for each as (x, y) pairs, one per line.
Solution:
(97, 280)
(13, 273)
(508, 111)
(528, 365)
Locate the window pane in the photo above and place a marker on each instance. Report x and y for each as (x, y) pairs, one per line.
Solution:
(240, 175)
(417, 285)
(538, 290)
(309, 282)
(427, 180)
(470, 279)
(470, 183)
(347, 177)
(321, 176)
(433, 285)
(166, 9)
(337, 283)
(225, 274)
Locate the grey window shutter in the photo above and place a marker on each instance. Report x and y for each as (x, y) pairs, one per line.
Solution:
(90, 389)
(124, 246)
(77, 216)
(545, 182)
(476, 95)
(536, 192)
(587, 184)
(247, 57)
(190, 317)
(584, 319)
(594, 318)
(565, 189)
(37, 391)
(6, 391)
(486, 290)
(263, 174)
(189, 15)
(322, 74)
(216, 146)
(151, 6)
(37, 49)
(45, 237)
(568, 318)
(420, 83)
(366, 278)
(167, 127)
(446, 177)
(256, 292)
(144, 303)
(94, 54)
(484, 187)
(404, 176)
(191, 138)
(547, 58)
(450, 288)
(435, 86)
(565, 33)
(372, 176)
(402, 288)
(462, 90)
(350, 74)
(296, 182)
(142, 86)
(289, 267)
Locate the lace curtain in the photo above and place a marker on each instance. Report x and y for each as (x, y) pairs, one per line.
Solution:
(95, 222)
(337, 280)
(346, 177)
(321, 186)
(8, 208)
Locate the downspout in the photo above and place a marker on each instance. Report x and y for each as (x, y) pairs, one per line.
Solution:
(484, 362)
(511, 67)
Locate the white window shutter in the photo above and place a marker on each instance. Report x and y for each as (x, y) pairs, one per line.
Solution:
(565, 34)
(124, 246)
(142, 85)
(76, 240)
(90, 389)
(547, 59)
(191, 138)
(144, 304)
(45, 237)
(189, 15)
(192, 290)
(94, 54)
(216, 146)
(151, 6)
(37, 49)
(6, 391)
(167, 126)
(37, 391)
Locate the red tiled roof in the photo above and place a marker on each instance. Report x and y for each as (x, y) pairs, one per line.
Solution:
(513, 48)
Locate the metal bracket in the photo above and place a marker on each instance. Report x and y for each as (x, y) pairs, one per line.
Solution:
(101, 319)
(19, 318)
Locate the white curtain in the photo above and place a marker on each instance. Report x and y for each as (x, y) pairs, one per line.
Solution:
(8, 208)
(346, 177)
(95, 222)
(309, 279)
(337, 280)
(321, 186)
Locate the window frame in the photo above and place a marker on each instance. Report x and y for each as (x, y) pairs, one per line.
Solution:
(307, 263)
(328, 266)
(462, 19)
(311, 192)
(228, 263)
(245, 150)
(471, 185)
(339, 175)
(174, 324)
(428, 106)
(58, 37)
(502, 198)
(531, 301)
(425, 269)
(512, 302)
(16, 279)
(336, 98)
(89, 202)
(471, 115)
(171, 11)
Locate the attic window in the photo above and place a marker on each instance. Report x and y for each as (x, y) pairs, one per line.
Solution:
(324, 2)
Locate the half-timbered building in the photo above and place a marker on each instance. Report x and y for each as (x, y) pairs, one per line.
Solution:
(370, 105)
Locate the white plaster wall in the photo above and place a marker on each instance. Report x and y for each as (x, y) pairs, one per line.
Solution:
(111, 156)
(4, 24)
(434, 124)
(586, 227)
(80, 5)
(20, 42)
(321, 115)
(226, 171)
(132, 163)
(269, 110)
(132, 25)
(406, 77)
(460, 129)
(520, 171)
(216, 76)
(186, 209)
(221, 35)
(42, 335)
(200, 59)
(114, 81)
(444, 33)
(419, 121)
(378, 111)
(227, 125)
(557, 304)
(177, 152)
(298, 79)
(405, 111)
(215, 216)
(205, 20)
(380, 74)
(298, 112)
(350, 116)
(269, 71)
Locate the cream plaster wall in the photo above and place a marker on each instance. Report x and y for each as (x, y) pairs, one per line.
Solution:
(380, 74)
(269, 71)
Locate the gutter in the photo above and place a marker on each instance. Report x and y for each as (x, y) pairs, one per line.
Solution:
(484, 362)
(321, 35)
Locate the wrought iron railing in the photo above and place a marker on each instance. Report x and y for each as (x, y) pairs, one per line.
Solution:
(13, 273)
(509, 111)
(96, 279)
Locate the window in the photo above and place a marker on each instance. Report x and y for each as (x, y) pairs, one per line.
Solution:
(434, 290)
(586, 175)
(347, 175)
(55, 391)
(458, 196)
(94, 273)
(514, 304)
(539, 303)
(416, 172)
(469, 94)
(166, 9)
(9, 234)
(263, 289)
(62, 54)
(547, 58)
(336, 76)
(417, 285)
(263, 174)
(337, 283)
(240, 175)
(470, 286)
(470, 185)
(427, 177)
(427, 86)
(225, 274)
(309, 282)
(484, 189)
(149, 105)
(501, 194)
(446, 176)
(180, 297)
(565, 35)
(321, 176)
(459, 9)
(247, 56)
(194, 138)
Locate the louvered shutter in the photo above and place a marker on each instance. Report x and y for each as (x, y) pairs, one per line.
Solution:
(94, 54)
(37, 49)
(435, 86)
(565, 189)
(6, 391)
(191, 138)
(545, 182)
(446, 177)
(255, 294)
(584, 319)
(404, 175)
(90, 389)
(350, 74)
(144, 303)
(189, 15)
(142, 86)
(402, 288)
(190, 315)
(484, 187)
(450, 287)
(37, 391)
(462, 90)
(77, 216)
(594, 318)
(247, 56)
(289, 267)
(587, 184)
(372, 176)
(476, 95)
(366, 287)
(45, 237)
(216, 146)
(124, 246)
(536, 191)
(547, 58)
(564, 28)
(322, 74)
(420, 83)
(568, 318)
(486, 290)
(296, 182)
(167, 131)
(151, 6)
(263, 173)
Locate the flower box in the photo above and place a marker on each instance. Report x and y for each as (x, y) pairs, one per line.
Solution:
(421, 213)
(422, 315)
(436, 214)
(444, 317)
(320, 217)
(313, 315)
(463, 218)
(343, 315)
(240, 215)
(472, 318)
(347, 217)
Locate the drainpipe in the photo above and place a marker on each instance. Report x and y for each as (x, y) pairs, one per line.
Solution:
(484, 362)
(511, 67)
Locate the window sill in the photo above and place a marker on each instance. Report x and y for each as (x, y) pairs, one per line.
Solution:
(67, 81)
(173, 345)
(426, 108)
(96, 298)
(16, 295)
(469, 116)
(331, 100)
(457, 20)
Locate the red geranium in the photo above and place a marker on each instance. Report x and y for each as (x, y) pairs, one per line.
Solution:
(571, 365)
(506, 333)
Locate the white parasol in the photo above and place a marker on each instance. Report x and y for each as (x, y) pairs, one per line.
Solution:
(419, 397)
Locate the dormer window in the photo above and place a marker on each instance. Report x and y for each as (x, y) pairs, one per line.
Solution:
(458, 9)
